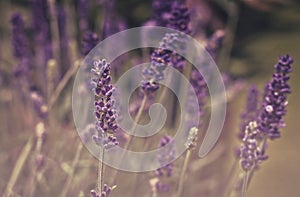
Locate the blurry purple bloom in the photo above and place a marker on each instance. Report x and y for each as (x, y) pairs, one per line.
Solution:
(165, 55)
(105, 191)
(41, 31)
(63, 35)
(83, 14)
(162, 187)
(161, 58)
(180, 18)
(40, 16)
(166, 155)
(20, 43)
(161, 11)
(199, 85)
(104, 112)
(90, 40)
(112, 24)
(19, 40)
(275, 99)
(251, 111)
(251, 155)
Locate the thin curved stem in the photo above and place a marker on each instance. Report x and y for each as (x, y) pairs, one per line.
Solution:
(226, 191)
(71, 174)
(245, 183)
(181, 180)
(101, 170)
(70, 73)
(18, 168)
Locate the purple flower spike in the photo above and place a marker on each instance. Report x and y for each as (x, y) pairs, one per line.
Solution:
(105, 114)
(83, 10)
(19, 41)
(20, 46)
(275, 99)
(180, 18)
(105, 191)
(251, 112)
(90, 40)
(161, 11)
(251, 155)
(164, 156)
(199, 85)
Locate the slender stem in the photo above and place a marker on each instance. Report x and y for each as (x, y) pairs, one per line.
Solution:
(245, 183)
(33, 182)
(54, 30)
(18, 168)
(63, 83)
(137, 118)
(101, 170)
(73, 167)
(154, 194)
(226, 188)
(181, 180)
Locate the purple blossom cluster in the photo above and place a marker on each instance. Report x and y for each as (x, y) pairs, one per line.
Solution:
(251, 111)
(160, 59)
(20, 45)
(161, 11)
(89, 41)
(260, 125)
(41, 29)
(250, 152)
(165, 155)
(105, 114)
(275, 99)
(105, 192)
(198, 83)
(178, 19)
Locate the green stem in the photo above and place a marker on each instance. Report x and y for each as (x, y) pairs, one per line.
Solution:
(18, 168)
(181, 180)
(72, 71)
(73, 167)
(231, 176)
(101, 170)
(245, 183)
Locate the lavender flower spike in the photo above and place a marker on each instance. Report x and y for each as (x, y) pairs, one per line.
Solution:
(89, 41)
(19, 40)
(20, 45)
(161, 11)
(275, 99)
(249, 151)
(180, 18)
(105, 192)
(105, 114)
(251, 111)
(165, 155)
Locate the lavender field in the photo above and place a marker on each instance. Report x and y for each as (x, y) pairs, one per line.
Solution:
(213, 113)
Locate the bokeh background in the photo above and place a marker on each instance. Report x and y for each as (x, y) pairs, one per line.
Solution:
(257, 32)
